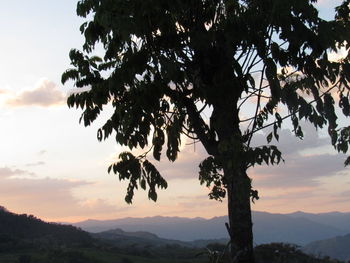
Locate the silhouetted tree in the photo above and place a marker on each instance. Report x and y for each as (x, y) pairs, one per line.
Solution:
(166, 63)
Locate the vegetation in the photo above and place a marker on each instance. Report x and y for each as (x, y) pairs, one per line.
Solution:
(27, 231)
(286, 253)
(269, 253)
(169, 64)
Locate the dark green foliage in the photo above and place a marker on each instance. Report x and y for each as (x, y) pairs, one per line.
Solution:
(138, 172)
(126, 260)
(210, 174)
(24, 259)
(68, 256)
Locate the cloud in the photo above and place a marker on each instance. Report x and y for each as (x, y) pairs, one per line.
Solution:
(195, 202)
(342, 196)
(187, 164)
(49, 198)
(306, 161)
(292, 194)
(195, 205)
(44, 94)
(299, 170)
(6, 172)
(42, 152)
(345, 194)
(290, 144)
(35, 164)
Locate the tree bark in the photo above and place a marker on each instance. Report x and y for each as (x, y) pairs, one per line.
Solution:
(225, 124)
(239, 213)
(238, 185)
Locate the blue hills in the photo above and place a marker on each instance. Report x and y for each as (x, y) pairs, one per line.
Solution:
(298, 228)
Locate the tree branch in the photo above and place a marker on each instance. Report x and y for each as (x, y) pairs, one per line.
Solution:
(291, 114)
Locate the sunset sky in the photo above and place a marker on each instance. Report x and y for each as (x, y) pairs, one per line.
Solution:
(54, 168)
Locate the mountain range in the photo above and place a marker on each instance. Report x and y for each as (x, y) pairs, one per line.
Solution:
(298, 228)
(29, 235)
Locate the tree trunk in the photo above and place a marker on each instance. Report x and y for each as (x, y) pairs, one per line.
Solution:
(239, 213)
(231, 152)
(226, 90)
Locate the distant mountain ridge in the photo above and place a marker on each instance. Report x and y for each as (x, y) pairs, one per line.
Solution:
(335, 219)
(337, 247)
(268, 227)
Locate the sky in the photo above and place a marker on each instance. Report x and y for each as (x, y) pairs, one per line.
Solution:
(54, 168)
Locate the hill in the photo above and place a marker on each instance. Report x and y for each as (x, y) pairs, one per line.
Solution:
(20, 229)
(337, 247)
(267, 228)
(122, 238)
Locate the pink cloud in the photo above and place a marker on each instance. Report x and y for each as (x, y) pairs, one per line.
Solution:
(6, 172)
(42, 152)
(44, 94)
(39, 163)
(49, 198)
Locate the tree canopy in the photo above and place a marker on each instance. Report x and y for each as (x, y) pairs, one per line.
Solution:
(163, 59)
(165, 63)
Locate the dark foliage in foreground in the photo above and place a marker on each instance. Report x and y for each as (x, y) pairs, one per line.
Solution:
(269, 253)
(286, 253)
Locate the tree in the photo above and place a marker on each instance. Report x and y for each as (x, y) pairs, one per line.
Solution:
(167, 62)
